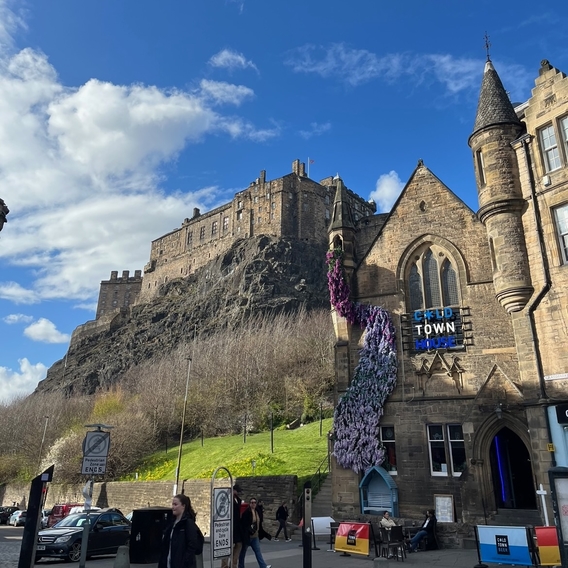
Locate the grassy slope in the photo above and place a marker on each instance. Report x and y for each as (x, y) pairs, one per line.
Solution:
(296, 452)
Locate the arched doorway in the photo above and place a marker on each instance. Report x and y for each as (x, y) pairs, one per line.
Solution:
(511, 472)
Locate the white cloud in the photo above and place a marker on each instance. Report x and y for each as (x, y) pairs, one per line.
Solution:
(45, 331)
(14, 383)
(81, 170)
(17, 294)
(17, 318)
(358, 66)
(229, 59)
(222, 92)
(387, 190)
(316, 129)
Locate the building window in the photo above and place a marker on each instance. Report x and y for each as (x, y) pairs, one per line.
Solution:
(327, 214)
(202, 233)
(225, 223)
(457, 449)
(549, 148)
(388, 441)
(258, 220)
(437, 449)
(481, 167)
(273, 205)
(305, 206)
(432, 281)
(327, 199)
(239, 215)
(239, 204)
(561, 216)
(256, 198)
(564, 131)
(189, 238)
(214, 226)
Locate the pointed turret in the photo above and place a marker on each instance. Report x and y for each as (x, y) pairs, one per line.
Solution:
(342, 226)
(500, 197)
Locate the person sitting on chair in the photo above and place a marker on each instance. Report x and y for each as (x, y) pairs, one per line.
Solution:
(426, 530)
(386, 521)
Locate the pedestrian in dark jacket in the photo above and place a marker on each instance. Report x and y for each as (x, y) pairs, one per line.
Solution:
(181, 539)
(252, 532)
(282, 517)
(237, 530)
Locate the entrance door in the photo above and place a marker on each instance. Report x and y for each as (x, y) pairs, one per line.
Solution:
(511, 471)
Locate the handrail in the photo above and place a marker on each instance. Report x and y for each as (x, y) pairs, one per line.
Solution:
(316, 480)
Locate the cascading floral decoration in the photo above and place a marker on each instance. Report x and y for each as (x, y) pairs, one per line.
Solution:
(356, 420)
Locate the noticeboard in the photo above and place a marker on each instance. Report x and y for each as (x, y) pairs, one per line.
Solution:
(444, 507)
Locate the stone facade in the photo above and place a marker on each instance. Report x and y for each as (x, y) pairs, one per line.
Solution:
(118, 292)
(459, 412)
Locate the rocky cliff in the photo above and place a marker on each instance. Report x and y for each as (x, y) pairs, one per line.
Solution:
(257, 275)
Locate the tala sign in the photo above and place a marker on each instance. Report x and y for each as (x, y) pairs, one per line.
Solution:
(436, 329)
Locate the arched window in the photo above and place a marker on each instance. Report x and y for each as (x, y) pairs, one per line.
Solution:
(432, 280)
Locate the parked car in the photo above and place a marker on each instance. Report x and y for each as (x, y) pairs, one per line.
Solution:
(44, 518)
(17, 519)
(6, 513)
(109, 530)
(60, 511)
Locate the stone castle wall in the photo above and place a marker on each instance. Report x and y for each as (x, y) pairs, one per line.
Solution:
(127, 496)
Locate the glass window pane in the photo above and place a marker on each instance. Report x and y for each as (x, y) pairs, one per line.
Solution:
(439, 463)
(455, 432)
(458, 457)
(435, 432)
(449, 284)
(431, 281)
(415, 289)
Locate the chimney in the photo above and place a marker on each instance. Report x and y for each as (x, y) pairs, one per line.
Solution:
(296, 167)
(196, 212)
(263, 176)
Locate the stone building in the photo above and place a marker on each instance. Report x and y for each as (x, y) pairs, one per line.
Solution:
(293, 206)
(480, 306)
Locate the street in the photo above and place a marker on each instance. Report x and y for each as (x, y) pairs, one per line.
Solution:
(278, 554)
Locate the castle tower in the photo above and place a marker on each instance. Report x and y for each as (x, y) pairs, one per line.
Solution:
(500, 197)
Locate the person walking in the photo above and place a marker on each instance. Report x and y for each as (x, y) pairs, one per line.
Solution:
(251, 526)
(182, 540)
(282, 517)
(237, 528)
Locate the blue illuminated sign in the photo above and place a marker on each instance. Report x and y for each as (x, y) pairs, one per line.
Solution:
(436, 329)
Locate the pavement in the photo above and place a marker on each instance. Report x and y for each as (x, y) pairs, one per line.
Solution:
(277, 554)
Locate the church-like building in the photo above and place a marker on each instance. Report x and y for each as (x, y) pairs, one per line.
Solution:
(479, 302)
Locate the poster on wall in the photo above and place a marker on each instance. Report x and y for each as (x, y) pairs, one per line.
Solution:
(562, 497)
(504, 545)
(444, 507)
(353, 538)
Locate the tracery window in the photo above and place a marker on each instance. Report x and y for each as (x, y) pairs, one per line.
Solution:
(432, 280)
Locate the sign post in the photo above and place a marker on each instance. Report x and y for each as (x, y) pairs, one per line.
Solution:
(221, 518)
(95, 452)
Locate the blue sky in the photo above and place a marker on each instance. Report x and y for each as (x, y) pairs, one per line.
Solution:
(117, 118)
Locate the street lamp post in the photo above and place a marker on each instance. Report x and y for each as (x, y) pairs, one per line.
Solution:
(182, 425)
(42, 442)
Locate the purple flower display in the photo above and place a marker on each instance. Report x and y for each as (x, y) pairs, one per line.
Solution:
(356, 420)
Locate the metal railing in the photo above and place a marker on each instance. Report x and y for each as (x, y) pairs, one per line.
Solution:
(316, 480)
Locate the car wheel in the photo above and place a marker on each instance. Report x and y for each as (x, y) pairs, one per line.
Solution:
(74, 554)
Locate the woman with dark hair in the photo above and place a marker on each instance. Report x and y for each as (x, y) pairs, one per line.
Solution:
(252, 532)
(427, 529)
(182, 540)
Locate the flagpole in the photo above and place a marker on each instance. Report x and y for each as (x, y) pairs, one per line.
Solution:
(308, 166)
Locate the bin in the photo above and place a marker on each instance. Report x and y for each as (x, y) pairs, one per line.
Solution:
(148, 525)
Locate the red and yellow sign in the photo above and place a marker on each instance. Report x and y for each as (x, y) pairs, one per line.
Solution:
(548, 550)
(353, 537)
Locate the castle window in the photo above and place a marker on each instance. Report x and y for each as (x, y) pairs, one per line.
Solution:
(432, 281)
(259, 220)
(327, 199)
(256, 198)
(214, 226)
(239, 215)
(480, 167)
(549, 148)
(202, 233)
(273, 205)
(564, 131)
(225, 223)
(561, 218)
(327, 214)
(189, 238)
(290, 195)
(305, 206)
(388, 441)
(239, 204)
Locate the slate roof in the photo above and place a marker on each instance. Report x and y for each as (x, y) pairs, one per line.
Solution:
(494, 106)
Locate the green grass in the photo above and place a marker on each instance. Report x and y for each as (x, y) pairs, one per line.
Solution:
(296, 452)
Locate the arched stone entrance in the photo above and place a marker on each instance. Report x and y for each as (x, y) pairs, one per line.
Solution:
(501, 448)
(511, 472)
